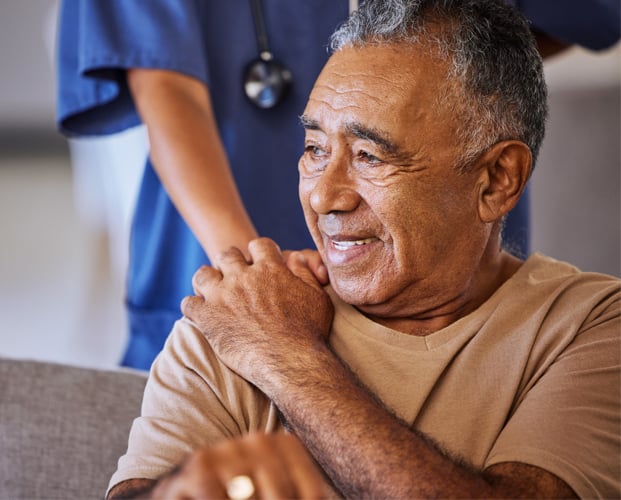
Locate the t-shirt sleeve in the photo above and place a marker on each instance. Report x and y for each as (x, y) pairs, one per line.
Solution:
(99, 39)
(191, 400)
(568, 422)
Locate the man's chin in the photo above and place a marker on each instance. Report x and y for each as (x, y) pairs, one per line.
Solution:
(355, 292)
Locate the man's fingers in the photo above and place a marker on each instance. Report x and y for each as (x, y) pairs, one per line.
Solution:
(253, 466)
(299, 266)
(270, 467)
(277, 464)
(271, 478)
(316, 265)
(189, 305)
(230, 259)
(264, 249)
(204, 276)
(303, 471)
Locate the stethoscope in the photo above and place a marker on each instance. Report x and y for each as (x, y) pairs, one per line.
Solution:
(267, 81)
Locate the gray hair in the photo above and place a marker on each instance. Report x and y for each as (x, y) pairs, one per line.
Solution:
(493, 61)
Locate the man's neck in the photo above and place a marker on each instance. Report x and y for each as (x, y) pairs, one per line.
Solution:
(463, 303)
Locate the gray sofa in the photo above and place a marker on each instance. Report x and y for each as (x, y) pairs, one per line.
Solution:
(62, 428)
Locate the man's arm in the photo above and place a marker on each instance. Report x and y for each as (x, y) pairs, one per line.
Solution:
(189, 158)
(270, 325)
(367, 451)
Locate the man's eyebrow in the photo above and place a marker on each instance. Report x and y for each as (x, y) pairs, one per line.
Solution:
(309, 123)
(360, 131)
(373, 135)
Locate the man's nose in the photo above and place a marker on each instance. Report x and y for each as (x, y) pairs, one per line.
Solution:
(335, 190)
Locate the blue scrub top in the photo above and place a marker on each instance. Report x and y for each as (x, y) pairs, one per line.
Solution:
(211, 40)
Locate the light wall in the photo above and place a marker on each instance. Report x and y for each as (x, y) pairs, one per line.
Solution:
(576, 207)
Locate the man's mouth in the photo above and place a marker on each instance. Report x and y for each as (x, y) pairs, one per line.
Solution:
(347, 244)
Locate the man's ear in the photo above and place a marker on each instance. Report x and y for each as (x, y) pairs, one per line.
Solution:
(504, 170)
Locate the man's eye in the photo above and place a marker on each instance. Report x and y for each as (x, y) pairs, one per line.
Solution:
(369, 158)
(313, 160)
(314, 151)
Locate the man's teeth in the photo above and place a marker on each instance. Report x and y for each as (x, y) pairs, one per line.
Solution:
(344, 245)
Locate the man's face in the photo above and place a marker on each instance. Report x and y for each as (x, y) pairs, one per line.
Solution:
(395, 224)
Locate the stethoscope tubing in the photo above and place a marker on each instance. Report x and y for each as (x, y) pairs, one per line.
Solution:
(266, 81)
(260, 30)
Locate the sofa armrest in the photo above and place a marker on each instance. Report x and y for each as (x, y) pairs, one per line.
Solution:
(63, 428)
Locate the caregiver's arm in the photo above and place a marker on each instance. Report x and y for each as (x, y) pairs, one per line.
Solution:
(188, 156)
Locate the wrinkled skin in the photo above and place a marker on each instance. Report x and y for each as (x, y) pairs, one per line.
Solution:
(275, 307)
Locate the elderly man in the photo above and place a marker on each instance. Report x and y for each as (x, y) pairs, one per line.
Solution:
(434, 364)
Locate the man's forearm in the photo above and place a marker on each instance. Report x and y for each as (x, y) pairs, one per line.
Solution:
(367, 451)
(364, 449)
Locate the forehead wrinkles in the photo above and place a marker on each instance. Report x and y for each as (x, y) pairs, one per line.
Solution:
(355, 90)
(339, 97)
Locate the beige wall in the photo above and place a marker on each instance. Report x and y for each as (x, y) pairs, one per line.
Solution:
(575, 188)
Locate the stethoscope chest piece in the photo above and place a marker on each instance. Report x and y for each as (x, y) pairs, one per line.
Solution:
(266, 81)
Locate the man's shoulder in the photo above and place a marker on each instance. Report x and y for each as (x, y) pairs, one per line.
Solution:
(186, 347)
(542, 276)
(542, 267)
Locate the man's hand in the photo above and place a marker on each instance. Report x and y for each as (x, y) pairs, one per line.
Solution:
(253, 466)
(307, 258)
(260, 315)
(271, 466)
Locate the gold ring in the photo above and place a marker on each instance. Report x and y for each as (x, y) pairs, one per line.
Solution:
(240, 487)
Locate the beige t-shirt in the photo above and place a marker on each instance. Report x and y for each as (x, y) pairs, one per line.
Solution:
(533, 376)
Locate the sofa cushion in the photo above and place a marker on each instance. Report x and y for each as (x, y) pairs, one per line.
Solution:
(63, 428)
